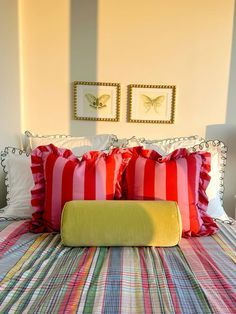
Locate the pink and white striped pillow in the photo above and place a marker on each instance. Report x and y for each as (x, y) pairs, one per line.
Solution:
(60, 177)
(181, 176)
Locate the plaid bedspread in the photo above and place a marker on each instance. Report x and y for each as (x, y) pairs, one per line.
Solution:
(39, 275)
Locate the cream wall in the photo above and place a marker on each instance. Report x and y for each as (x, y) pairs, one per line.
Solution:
(45, 32)
(186, 43)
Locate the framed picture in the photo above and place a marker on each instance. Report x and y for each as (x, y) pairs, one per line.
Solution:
(95, 101)
(151, 103)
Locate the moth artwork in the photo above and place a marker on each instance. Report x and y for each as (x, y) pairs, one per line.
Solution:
(97, 102)
(154, 103)
(151, 103)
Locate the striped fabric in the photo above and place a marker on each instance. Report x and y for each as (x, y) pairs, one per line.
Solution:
(39, 275)
(60, 177)
(180, 176)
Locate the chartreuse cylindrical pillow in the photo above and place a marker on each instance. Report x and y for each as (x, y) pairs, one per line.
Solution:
(121, 223)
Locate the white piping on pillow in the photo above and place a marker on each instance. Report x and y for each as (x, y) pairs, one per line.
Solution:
(215, 189)
(19, 182)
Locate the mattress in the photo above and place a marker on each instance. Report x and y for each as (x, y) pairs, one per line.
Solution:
(39, 275)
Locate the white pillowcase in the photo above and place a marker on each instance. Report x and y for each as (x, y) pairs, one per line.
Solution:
(79, 145)
(19, 181)
(164, 146)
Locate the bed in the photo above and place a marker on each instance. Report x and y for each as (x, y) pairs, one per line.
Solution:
(38, 274)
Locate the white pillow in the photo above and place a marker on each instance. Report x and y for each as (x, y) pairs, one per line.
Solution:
(79, 145)
(19, 181)
(164, 146)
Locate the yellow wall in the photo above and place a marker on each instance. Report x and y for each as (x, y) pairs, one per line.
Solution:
(182, 42)
(45, 36)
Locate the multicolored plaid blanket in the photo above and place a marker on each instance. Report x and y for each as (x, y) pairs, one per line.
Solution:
(39, 275)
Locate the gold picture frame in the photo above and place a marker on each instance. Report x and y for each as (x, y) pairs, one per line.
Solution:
(95, 101)
(151, 103)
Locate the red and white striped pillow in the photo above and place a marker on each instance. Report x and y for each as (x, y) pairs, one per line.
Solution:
(181, 176)
(60, 177)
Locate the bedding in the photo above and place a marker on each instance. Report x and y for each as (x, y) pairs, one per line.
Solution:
(40, 275)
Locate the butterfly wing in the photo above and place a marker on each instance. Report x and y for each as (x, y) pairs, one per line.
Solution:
(102, 100)
(147, 102)
(157, 102)
(92, 100)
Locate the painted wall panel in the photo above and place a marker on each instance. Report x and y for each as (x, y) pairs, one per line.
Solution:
(10, 110)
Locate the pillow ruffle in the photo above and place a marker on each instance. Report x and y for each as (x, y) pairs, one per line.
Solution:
(38, 157)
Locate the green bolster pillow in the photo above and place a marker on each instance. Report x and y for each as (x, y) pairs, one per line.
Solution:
(121, 223)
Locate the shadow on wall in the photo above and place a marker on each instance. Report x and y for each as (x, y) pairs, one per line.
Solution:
(227, 132)
(83, 54)
(231, 106)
